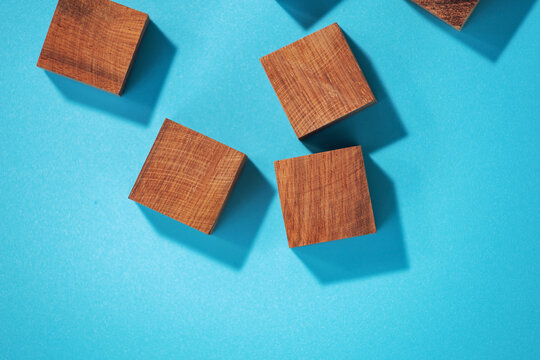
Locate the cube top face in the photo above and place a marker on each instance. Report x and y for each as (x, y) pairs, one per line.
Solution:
(93, 41)
(453, 12)
(324, 196)
(188, 176)
(318, 80)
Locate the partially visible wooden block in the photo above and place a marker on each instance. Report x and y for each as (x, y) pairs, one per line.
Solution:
(188, 176)
(325, 196)
(93, 41)
(453, 12)
(318, 80)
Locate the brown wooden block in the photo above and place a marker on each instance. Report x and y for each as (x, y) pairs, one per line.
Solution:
(453, 12)
(325, 196)
(93, 41)
(188, 176)
(318, 80)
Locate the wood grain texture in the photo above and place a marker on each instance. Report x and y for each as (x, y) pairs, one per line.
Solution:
(188, 176)
(93, 41)
(325, 196)
(317, 80)
(453, 12)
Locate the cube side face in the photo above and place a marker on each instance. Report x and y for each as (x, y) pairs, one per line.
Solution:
(188, 176)
(317, 80)
(453, 12)
(93, 42)
(325, 197)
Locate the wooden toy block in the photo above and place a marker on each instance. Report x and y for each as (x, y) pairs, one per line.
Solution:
(453, 12)
(324, 196)
(93, 41)
(188, 176)
(318, 80)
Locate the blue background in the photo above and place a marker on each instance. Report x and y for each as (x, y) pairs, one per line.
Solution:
(453, 165)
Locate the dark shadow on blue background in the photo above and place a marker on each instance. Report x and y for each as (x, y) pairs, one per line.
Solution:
(307, 12)
(490, 27)
(143, 86)
(236, 229)
(368, 255)
(384, 251)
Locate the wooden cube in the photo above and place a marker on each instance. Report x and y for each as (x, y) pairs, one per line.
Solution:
(93, 41)
(318, 80)
(453, 12)
(325, 196)
(188, 176)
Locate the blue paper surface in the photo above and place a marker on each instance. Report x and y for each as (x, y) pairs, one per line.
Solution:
(453, 164)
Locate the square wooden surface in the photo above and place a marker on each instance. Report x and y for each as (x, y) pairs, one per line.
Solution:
(325, 196)
(318, 80)
(453, 12)
(93, 41)
(188, 176)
